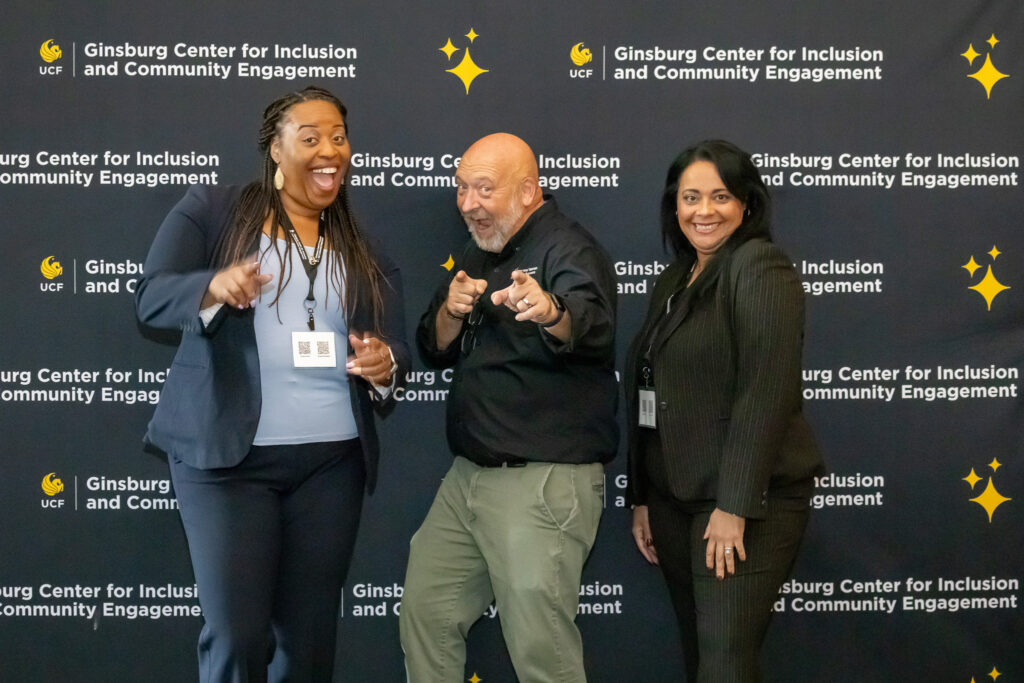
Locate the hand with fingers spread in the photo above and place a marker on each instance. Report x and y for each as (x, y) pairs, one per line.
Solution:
(527, 299)
(236, 286)
(724, 535)
(372, 359)
(642, 534)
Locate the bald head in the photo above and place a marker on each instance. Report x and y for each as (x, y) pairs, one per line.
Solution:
(498, 188)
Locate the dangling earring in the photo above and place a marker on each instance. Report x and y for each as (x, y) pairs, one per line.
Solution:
(279, 179)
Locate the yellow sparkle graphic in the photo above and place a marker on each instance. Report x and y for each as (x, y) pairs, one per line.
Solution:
(994, 673)
(475, 678)
(972, 478)
(472, 35)
(447, 265)
(992, 40)
(995, 464)
(971, 266)
(994, 253)
(988, 76)
(990, 499)
(989, 287)
(970, 55)
(467, 70)
(449, 49)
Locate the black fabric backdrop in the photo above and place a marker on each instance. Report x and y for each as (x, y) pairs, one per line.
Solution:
(910, 571)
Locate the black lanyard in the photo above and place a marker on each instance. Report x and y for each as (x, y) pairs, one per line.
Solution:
(654, 332)
(309, 263)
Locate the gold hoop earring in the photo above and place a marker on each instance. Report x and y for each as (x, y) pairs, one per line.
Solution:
(279, 179)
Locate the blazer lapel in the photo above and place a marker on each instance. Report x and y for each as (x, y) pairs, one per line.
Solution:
(681, 302)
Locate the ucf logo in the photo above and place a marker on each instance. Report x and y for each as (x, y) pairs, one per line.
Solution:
(580, 56)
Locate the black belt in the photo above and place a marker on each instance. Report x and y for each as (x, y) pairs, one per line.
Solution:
(507, 462)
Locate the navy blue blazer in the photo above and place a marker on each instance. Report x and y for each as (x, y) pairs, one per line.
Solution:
(210, 404)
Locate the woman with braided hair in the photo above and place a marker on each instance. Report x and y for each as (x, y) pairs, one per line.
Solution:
(292, 335)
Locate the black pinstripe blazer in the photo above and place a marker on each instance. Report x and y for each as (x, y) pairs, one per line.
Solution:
(726, 364)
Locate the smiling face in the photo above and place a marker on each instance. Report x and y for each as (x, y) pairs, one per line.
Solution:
(708, 213)
(489, 202)
(311, 150)
(496, 189)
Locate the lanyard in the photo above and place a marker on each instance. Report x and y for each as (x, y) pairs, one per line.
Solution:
(654, 331)
(309, 263)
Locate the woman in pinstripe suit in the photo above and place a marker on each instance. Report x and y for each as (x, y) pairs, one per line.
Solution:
(721, 460)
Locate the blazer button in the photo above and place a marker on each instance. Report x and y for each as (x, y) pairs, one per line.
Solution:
(663, 405)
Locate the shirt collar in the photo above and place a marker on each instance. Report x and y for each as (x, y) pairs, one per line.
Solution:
(547, 208)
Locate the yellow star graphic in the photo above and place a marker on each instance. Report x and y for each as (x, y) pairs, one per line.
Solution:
(992, 40)
(472, 35)
(475, 678)
(970, 55)
(449, 49)
(994, 253)
(972, 478)
(990, 499)
(988, 76)
(467, 70)
(989, 287)
(995, 464)
(994, 673)
(447, 265)
(971, 266)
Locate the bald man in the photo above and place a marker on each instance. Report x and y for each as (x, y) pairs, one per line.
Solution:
(528, 322)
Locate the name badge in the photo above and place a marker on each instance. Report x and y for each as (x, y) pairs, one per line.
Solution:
(647, 409)
(314, 350)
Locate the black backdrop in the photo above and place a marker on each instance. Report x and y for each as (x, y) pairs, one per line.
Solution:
(893, 149)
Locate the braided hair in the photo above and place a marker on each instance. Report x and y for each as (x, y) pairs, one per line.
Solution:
(260, 200)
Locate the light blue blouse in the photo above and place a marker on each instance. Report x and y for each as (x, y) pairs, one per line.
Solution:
(300, 405)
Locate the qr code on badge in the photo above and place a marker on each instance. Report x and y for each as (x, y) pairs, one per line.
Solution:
(323, 348)
(305, 349)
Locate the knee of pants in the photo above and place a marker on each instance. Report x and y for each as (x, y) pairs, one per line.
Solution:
(243, 642)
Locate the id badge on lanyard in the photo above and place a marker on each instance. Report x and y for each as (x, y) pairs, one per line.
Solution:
(647, 401)
(314, 350)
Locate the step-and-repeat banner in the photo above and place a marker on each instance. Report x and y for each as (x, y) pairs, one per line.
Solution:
(889, 133)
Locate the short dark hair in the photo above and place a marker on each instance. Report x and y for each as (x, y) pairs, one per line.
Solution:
(741, 178)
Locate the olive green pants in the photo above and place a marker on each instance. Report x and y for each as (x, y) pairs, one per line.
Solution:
(518, 536)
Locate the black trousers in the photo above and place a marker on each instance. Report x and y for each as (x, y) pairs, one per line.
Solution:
(723, 622)
(271, 540)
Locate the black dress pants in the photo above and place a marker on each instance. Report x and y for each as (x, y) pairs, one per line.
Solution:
(270, 541)
(723, 622)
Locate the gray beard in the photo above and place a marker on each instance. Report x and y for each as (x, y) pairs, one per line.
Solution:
(495, 243)
(502, 229)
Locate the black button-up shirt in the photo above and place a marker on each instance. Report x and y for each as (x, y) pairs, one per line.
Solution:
(517, 391)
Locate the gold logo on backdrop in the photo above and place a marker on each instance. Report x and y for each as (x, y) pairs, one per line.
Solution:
(993, 674)
(989, 287)
(49, 52)
(990, 498)
(988, 75)
(449, 264)
(50, 268)
(475, 679)
(467, 70)
(52, 486)
(580, 55)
